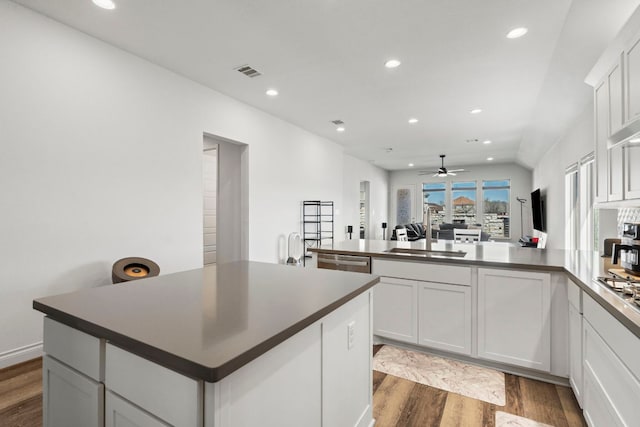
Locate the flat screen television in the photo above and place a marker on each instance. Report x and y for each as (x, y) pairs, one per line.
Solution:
(537, 211)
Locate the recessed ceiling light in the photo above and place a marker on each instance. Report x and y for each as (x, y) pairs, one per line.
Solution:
(476, 111)
(486, 142)
(392, 63)
(489, 159)
(410, 165)
(272, 92)
(340, 129)
(413, 120)
(517, 32)
(105, 4)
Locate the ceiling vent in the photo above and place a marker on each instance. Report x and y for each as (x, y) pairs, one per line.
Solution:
(248, 71)
(337, 122)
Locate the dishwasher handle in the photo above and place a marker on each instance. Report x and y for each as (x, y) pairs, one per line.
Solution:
(344, 262)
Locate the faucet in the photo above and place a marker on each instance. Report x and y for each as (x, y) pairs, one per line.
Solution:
(426, 222)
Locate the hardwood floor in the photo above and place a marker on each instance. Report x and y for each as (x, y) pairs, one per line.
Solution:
(21, 395)
(396, 402)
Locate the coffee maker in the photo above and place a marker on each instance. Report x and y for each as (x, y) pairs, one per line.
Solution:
(628, 249)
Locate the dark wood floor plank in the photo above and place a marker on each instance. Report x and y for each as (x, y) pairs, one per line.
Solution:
(572, 410)
(378, 377)
(21, 368)
(513, 395)
(27, 414)
(390, 400)
(541, 402)
(19, 388)
(424, 407)
(464, 411)
(376, 349)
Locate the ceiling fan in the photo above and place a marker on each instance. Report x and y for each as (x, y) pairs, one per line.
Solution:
(442, 171)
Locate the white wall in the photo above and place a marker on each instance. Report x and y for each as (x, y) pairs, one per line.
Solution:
(355, 171)
(101, 158)
(520, 187)
(549, 173)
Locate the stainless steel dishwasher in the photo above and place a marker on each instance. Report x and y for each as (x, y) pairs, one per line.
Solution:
(359, 264)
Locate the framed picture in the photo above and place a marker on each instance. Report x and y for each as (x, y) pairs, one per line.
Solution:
(403, 205)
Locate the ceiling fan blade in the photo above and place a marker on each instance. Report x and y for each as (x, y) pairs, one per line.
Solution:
(457, 170)
(451, 173)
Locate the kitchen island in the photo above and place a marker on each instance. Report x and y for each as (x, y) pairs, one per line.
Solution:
(533, 312)
(238, 344)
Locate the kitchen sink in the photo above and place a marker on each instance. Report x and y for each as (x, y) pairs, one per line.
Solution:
(426, 252)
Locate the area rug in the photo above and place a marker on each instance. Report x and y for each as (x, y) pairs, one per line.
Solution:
(446, 374)
(509, 420)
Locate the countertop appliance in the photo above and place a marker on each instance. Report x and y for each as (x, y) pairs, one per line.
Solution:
(626, 286)
(359, 264)
(628, 249)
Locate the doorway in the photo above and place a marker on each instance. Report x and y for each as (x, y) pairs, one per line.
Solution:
(225, 200)
(365, 231)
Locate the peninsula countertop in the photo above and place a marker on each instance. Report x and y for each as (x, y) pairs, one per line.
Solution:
(582, 267)
(207, 323)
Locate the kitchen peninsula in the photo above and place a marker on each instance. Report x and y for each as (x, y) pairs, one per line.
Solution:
(239, 344)
(533, 312)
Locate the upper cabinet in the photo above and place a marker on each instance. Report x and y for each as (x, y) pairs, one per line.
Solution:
(632, 92)
(617, 113)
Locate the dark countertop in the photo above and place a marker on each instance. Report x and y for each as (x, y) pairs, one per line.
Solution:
(209, 322)
(580, 266)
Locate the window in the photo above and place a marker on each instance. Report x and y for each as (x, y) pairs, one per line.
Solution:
(580, 232)
(571, 207)
(434, 196)
(463, 199)
(497, 208)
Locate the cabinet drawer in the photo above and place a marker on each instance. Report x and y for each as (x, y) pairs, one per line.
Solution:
(625, 344)
(83, 352)
(574, 294)
(170, 396)
(605, 371)
(424, 271)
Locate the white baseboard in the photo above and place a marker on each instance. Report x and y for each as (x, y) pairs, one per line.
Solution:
(22, 354)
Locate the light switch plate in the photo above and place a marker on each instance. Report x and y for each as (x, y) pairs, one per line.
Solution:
(350, 334)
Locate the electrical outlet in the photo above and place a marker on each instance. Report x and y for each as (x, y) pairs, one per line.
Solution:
(351, 334)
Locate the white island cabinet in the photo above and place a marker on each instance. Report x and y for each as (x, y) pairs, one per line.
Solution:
(236, 345)
(321, 376)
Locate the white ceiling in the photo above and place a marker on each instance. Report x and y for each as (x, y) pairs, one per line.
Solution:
(326, 59)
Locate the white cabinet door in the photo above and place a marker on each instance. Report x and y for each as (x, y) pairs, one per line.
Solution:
(70, 398)
(632, 171)
(121, 413)
(575, 352)
(616, 91)
(395, 309)
(444, 317)
(514, 318)
(615, 174)
(632, 67)
(601, 112)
